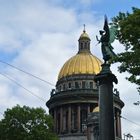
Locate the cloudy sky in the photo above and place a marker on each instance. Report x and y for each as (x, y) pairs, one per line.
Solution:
(38, 36)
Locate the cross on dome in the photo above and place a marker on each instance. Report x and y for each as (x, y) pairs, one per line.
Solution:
(84, 28)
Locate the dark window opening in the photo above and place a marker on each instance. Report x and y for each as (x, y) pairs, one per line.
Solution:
(77, 85)
(64, 87)
(83, 84)
(69, 85)
(91, 85)
(60, 88)
(81, 46)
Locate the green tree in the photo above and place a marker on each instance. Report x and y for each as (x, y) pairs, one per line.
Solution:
(128, 25)
(25, 123)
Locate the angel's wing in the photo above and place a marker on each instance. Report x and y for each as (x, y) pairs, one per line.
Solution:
(113, 33)
(106, 29)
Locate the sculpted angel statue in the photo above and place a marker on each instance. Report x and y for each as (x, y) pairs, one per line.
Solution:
(107, 37)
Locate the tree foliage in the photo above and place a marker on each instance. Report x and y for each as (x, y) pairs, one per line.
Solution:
(25, 123)
(128, 25)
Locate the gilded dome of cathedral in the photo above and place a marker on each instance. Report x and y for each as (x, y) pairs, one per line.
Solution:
(84, 62)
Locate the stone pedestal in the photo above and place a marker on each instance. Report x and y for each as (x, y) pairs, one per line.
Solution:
(105, 81)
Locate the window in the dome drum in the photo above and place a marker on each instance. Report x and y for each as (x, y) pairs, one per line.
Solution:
(77, 85)
(83, 84)
(91, 85)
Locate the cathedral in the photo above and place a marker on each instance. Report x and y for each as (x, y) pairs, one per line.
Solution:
(74, 102)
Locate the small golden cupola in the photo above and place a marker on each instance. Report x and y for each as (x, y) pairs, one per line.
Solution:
(84, 42)
(96, 109)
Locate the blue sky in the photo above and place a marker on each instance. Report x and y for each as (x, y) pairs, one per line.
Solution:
(38, 36)
(109, 7)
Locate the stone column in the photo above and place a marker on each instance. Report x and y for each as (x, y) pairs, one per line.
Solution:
(115, 122)
(88, 108)
(119, 124)
(69, 119)
(64, 120)
(120, 127)
(115, 126)
(55, 125)
(61, 119)
(88, 133)
(105, 80)
(78, 118)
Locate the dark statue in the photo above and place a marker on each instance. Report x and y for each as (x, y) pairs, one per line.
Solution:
(107, 37)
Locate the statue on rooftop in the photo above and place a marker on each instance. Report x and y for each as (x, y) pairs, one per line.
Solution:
(107, 37)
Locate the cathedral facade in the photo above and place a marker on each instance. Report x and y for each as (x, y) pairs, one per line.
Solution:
(76, 96)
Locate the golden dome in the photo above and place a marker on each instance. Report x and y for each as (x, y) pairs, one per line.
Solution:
(82, 63)
(84, 35)
(96, 109)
